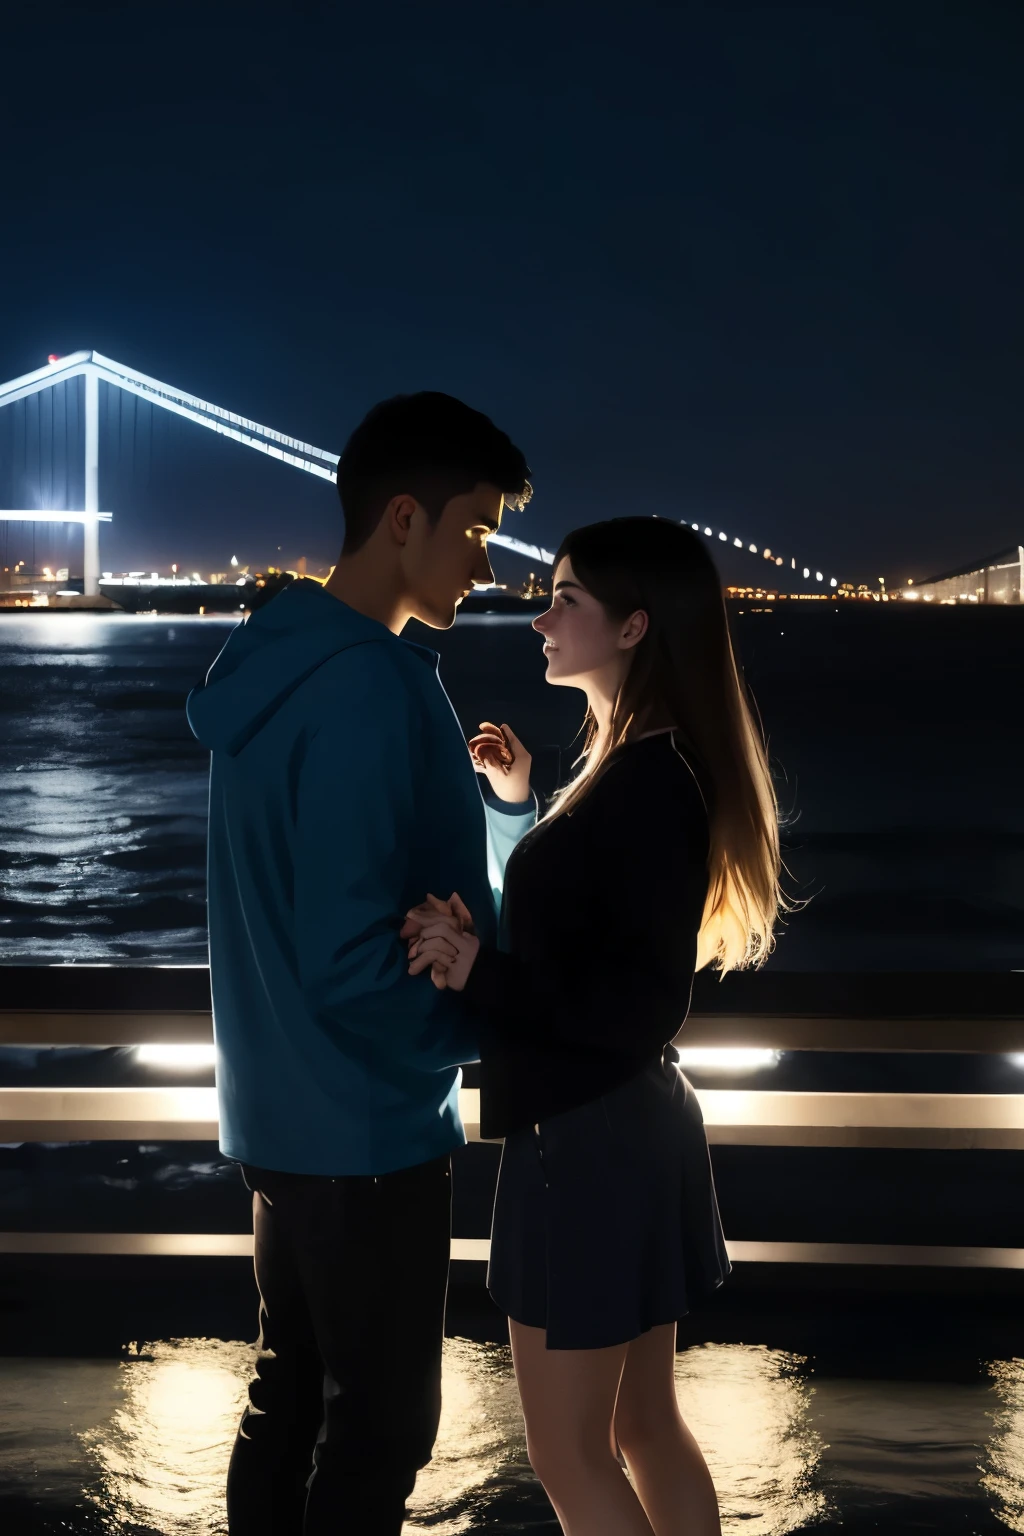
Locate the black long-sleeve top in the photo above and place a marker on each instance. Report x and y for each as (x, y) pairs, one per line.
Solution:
(597, 942)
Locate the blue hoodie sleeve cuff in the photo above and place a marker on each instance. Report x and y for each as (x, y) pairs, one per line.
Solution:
(494, 802)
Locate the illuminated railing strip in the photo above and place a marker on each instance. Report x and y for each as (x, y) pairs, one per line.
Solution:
(732, 1117)
(477, 1250)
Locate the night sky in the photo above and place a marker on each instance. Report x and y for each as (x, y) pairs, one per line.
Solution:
(754, 265)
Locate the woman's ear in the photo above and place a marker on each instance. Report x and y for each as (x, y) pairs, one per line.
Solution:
(634, 629)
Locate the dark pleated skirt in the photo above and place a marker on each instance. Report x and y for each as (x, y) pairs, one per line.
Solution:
(605, 1218)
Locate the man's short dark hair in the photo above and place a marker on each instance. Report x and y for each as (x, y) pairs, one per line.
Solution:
(426, 445)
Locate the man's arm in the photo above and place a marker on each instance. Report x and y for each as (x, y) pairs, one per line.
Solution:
(355, 825)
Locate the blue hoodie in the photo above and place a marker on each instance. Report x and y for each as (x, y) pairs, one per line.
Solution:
(341, 792)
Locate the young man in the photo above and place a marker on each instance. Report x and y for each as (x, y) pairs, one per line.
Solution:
(341, 792)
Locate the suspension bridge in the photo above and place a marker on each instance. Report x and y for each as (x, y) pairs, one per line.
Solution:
(95, 369)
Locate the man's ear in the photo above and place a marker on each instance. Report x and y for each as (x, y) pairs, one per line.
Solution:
(398, 515)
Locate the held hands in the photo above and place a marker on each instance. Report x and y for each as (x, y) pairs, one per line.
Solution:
(498, 753)
(440, 935)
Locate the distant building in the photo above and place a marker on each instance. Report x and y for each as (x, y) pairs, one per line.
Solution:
(997, 578)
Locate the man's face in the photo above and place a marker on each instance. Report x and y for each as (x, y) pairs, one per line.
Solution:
(443, 564)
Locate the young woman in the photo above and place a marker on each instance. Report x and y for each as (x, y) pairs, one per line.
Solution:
(662, 855)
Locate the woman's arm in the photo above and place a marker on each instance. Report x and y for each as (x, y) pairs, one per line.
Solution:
(629, 966)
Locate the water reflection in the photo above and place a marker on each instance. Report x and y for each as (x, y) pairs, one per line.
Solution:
(480, 1450)
(139, 1446)
(162, 1455)
(750, 1409)
(1003, 1466)
(143, 1442)
(102, 791)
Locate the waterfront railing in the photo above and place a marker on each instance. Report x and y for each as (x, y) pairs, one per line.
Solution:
(875, 1013)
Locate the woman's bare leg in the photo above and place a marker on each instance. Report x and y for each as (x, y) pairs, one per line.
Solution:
(669, 1472)
(568, 1398)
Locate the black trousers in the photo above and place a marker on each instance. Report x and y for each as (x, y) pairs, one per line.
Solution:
(344, 1407)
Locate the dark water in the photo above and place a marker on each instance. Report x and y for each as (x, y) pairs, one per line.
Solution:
(102, 793)
(798, 1439)
(895, 734)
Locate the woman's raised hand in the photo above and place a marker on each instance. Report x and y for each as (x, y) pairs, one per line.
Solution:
(498, 753)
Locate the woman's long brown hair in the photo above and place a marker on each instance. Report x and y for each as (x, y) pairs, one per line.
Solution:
(683, 673)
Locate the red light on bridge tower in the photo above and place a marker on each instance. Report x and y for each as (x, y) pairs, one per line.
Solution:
(53, 357)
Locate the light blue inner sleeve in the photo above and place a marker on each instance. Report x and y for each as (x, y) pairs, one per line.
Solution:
(506, 824)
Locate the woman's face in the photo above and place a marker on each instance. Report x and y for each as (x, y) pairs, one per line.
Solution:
(581, 643)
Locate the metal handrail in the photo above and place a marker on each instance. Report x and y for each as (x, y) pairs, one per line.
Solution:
(810, 1007)
(780, 1032)
(55, 1006)
(101, 1006)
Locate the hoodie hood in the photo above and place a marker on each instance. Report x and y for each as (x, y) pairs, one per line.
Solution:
(266, 659)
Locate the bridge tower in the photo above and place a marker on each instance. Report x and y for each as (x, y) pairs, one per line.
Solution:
(58, 371)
